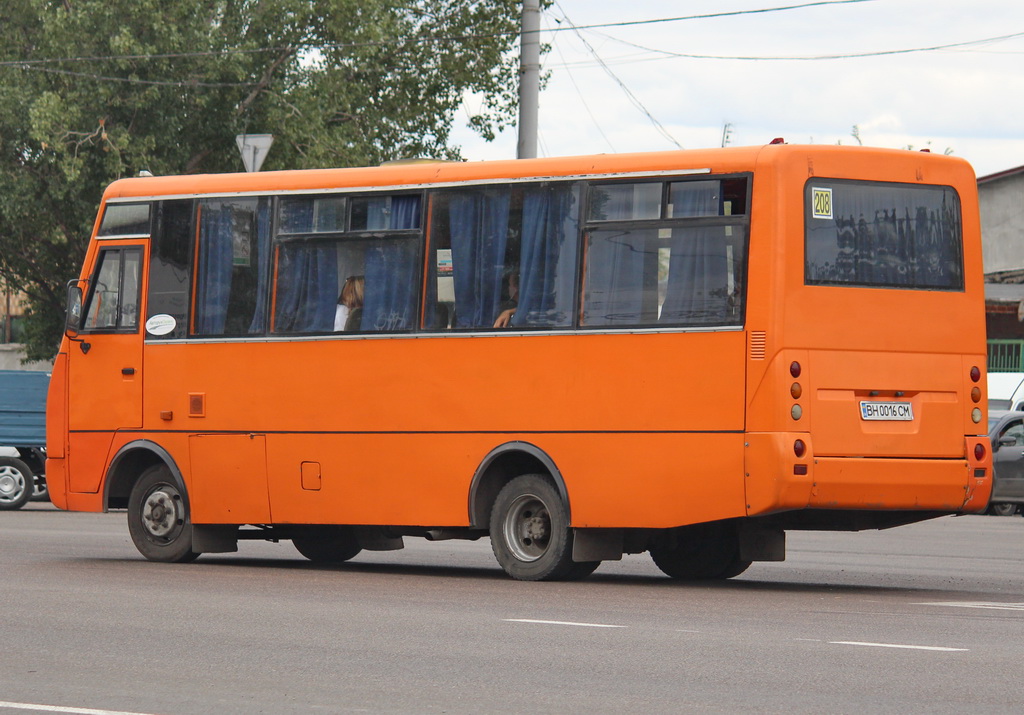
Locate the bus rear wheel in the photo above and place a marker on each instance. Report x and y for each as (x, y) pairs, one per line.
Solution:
(16, 483)
(158, 518)
(530, 533)
(326, 544)
(703, 552)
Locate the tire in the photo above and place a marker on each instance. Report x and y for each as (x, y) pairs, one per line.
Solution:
(326, 544)
(530, 533)
(16, 483)
(704, 552)
(39, 492)
(158, 518)
(1002, 509)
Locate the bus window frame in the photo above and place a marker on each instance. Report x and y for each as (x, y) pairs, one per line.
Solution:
(121, 251)
(735, 220)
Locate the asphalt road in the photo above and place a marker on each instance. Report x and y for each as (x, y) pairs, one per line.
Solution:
(926, 618)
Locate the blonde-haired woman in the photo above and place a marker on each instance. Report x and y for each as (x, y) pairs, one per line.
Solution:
(349, 312)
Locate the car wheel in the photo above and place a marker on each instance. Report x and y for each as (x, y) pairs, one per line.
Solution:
(1002, 509)
(16, 483)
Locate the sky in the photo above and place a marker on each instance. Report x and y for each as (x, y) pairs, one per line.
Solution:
(624, 87)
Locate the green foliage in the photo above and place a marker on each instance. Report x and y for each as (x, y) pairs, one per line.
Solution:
(95, 90)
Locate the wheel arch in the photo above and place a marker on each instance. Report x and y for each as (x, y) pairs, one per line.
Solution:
(503, 464)
(128, 464)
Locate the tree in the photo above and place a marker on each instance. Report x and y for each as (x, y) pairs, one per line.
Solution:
(94, 90)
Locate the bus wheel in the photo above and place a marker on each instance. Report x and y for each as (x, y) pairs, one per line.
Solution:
(158, 519)
(530, 533)
(702, 552)
(1002, 509)
(326, 544)
(16, 483)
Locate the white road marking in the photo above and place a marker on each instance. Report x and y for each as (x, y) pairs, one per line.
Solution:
(897, 645)
(561, 623)
(63, 709)
(991, 605)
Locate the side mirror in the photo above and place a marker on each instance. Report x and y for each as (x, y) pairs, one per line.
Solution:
(1005, 441)
(73, 318)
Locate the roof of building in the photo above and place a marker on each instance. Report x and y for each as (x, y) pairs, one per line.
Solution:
(1001, 175)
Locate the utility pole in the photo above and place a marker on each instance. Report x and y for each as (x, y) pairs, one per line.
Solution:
(529, 80)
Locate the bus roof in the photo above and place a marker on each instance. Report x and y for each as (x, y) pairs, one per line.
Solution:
(417, 173)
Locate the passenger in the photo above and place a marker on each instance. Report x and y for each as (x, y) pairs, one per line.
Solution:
(349, 313)
(508, 308)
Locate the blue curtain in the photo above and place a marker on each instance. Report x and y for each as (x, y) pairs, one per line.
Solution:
(545, 214)
(307, 288)
(615, 278)
(213, 284)
(479, 231)
(698, 272)
(391, 269)
(259, 318)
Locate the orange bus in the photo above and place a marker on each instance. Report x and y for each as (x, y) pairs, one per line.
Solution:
(686, 353)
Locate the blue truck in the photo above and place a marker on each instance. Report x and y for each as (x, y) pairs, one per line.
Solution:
(22, 437)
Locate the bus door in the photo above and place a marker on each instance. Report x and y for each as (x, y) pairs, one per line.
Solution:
(105, 362)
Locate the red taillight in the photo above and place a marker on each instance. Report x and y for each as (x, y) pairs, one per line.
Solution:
(799, 448)
(975, 374)
(979, 452)
(794, 369)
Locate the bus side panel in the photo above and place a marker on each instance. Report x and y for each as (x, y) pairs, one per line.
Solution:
(613, 480)
(651, 480)
(391, 431)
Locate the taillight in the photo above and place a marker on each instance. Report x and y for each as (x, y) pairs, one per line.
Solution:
(975, 374)
(799, 448)
(795, 390)
(979, 452)
(794, 369)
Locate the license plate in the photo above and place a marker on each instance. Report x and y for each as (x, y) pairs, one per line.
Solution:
(887, 411)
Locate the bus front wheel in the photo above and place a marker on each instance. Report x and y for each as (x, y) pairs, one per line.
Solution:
(158, 518)
(530, 533)
(703, 552)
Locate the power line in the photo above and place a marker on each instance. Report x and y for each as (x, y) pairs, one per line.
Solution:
(583, 100)
(790, 58)
(629, 94)
(448, 38)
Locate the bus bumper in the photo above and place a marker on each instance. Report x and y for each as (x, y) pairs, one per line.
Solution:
(778, 480)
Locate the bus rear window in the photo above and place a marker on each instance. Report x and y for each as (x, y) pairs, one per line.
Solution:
(883, 235)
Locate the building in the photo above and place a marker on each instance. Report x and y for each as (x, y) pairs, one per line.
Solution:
(1001, 200)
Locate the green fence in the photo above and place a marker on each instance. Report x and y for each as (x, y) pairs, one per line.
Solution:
(1006, 355)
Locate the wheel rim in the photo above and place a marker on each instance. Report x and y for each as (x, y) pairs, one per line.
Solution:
(527, 528)
(163, 513)
(12, 483)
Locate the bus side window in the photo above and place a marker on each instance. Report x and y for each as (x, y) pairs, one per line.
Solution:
(170, 269)
(322, 257)
(231, 292)
(502, 257)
